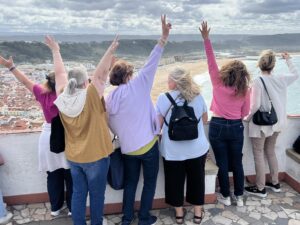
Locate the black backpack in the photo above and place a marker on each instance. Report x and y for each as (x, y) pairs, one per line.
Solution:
(183, 125)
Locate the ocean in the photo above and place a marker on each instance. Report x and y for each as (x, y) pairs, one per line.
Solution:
(293, 103)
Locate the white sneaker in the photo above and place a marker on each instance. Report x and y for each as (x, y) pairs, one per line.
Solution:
(6, 219)
(57, 213)
(69, 213)
(104, 221)
(224, 200)
(239, 200)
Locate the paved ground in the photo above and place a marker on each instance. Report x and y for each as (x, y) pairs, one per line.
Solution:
(278, 208)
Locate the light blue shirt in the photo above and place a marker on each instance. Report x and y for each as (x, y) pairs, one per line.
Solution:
(182, 150)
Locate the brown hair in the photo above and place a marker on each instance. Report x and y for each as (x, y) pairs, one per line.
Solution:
(120, 73)
(267, 60)
(235, 74)
(50, 83)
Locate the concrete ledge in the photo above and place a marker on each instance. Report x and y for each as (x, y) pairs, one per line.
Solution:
(211, 168)
(293, 155)
(110, 208)
(157, 204)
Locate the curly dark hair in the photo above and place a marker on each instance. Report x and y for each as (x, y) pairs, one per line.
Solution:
(120, 73)
(235, 74)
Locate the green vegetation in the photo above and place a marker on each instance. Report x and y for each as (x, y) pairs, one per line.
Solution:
(37, 52)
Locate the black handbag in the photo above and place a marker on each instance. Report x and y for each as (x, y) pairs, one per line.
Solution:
(268, 118)
(296, 145)
(115, 176)
(57, 136)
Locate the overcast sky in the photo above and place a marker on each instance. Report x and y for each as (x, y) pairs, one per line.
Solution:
(142, 17)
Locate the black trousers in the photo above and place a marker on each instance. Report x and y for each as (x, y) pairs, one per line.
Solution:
(56, 182)
(175, 174)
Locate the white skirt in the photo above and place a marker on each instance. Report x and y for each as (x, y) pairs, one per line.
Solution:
(49, 161)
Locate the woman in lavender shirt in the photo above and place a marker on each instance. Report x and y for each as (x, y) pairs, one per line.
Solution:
(132, 118)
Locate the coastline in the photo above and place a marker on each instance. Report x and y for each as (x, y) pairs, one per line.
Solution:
(194, 67)
(160, 85)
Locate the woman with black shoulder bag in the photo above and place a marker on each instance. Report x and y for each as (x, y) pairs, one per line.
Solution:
(267, 118)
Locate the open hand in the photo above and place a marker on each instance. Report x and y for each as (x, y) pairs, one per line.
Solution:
(204, 30)
(8, 63)
(285, 55)
(166, 27)
(51, 43)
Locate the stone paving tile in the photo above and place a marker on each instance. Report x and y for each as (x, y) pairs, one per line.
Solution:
(277, 208)
(281, 221)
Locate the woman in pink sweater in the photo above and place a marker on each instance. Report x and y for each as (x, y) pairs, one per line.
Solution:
(230, 103)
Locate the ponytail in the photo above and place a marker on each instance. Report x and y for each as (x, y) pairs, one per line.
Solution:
(72, 84)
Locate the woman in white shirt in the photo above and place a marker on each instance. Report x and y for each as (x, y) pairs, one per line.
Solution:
(263, 138)
(183, 159)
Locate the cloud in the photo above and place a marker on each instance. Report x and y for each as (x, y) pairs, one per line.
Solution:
(136, 17)
(270, 6)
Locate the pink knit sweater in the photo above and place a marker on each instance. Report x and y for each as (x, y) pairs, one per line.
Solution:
(224, 103)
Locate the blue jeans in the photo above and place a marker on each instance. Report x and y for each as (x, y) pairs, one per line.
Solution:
(2, 208)
(132, 164)
(88, 178)
(226, 138)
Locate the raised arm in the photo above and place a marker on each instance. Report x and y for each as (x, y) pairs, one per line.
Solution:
(61, 77)
(211, 59)
(147, 72)
(295, 74)
(102, 69)
(9, 64)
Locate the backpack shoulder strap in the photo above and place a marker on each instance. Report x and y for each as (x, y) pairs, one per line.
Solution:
(172, 103)
(185, 105)
(170, 99)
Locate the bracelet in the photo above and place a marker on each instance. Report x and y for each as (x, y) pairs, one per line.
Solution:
(12, 68)
(162, 41)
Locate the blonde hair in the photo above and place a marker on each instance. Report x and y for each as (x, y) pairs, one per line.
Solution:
(77, 78)
(235, 74)
(267, 60)
(185, 84)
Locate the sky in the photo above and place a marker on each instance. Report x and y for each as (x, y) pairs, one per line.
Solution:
(143, 17)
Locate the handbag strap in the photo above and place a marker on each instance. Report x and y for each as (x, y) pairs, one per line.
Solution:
(266, 90)
(115, 138)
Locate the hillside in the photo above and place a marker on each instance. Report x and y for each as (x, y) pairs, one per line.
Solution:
(36, 52)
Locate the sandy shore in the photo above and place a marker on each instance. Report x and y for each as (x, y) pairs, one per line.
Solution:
(161, 77)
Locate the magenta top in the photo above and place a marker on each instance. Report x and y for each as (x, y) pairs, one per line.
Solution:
(46, 100)
(224, 103)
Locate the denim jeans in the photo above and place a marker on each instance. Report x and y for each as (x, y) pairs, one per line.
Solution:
(150, 163)
(226, 138)
(2, 208)
(88, 178)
